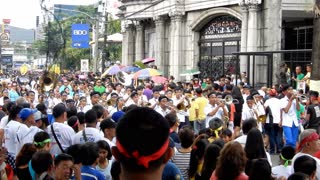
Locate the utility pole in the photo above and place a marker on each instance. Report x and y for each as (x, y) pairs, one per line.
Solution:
(96, 44)
(105, 40)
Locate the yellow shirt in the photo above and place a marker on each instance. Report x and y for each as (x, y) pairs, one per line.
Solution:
(202, 103)
(192, 111)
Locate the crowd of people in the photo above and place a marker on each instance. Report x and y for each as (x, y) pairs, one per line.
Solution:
(97, 128)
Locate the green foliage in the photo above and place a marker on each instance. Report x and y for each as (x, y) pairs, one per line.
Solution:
(58, 38)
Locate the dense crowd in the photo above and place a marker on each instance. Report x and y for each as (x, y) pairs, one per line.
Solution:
(97, 128)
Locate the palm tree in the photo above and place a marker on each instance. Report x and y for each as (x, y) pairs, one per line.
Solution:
(315, 74)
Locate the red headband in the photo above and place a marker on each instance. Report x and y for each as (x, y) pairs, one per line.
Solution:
(312, 137)
(75, 124)
(143, 160)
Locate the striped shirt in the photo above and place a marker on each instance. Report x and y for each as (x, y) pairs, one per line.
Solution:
(182, 159)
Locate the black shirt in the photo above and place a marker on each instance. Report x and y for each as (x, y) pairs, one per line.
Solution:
(314, 111)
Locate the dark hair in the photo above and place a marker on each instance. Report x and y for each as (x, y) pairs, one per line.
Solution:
(80, 116)
(41, 162)
(226, 132)
(197, 153)
(90, 116)
(298, 176)
(288, 152)
(58, 110)
(232, 156)
(99, 110)
(62, 157)
(73, 151)
(41, 107)
(133, 94)
(145, 126)
(107, 124)
(186, 137)
(14, 111)
(104, 145)
(229, 87)
(171, 118)
(261, 170)
(254, 148)
(40, 137)
(71, 111)
(305, 164)
(115, 170)
(25, 154)
(248, 125)
(198, 90)
(6, 107)
(210, 160)
(89, 152)
(219, 142)
(72, 123)
(94, 93)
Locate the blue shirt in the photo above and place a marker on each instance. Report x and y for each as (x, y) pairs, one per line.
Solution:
(13, 95)
(89, 173)
(171, 172)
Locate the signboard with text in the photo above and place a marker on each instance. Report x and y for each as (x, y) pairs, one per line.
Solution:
(80, 35)
(84, 65)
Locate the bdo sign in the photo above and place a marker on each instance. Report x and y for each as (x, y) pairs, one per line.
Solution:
(80, 35)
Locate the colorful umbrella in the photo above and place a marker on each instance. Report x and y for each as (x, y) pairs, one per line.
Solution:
(148, 60)
(146, 73)
(190, 72)
(130, 69)
(112, 70)
(159, 79)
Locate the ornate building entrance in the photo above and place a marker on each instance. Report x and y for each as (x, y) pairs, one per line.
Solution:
(218, 40)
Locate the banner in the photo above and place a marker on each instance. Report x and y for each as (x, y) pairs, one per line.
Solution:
(80, 35)
(301, 85)
(84, 65)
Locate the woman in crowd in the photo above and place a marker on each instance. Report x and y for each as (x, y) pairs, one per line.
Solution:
(104, 162)
(254, 148)
(231, 163)
(22, 161)
(196, 157)
(210, 161)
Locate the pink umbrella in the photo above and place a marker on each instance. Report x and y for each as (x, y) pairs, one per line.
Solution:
(148, 60)
(159, 79)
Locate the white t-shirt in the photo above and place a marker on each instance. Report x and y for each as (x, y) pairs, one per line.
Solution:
(219, 114)
(26, 135)
(161, 111)
(304, 154)
(10, 134)
(242, 140)
(291, 117)
(275, 108)
(4, 122)
(93, 135)
(280, 171)
(64, 134)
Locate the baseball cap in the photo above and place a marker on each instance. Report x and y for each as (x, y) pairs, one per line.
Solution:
(37, 116)
(247, 86)
(272, 92)
(25, 113)
(117, 115)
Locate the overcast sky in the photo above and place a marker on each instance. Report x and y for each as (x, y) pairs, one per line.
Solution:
(23, 12)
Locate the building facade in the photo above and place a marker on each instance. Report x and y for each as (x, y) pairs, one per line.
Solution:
(204, 34)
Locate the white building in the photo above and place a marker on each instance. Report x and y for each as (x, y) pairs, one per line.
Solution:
(185, 34)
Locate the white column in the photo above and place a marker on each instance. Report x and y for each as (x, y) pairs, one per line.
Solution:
(130, 51)
(161, 61)
(244, 31)
(176, 46)
(139, 43)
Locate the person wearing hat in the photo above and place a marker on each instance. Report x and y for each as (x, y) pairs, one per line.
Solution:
(246, 92)
(28, 128)
(272, 107)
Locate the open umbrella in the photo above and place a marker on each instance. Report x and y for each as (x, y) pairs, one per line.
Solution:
(146, 73)
(148, 60)
(190, 72)
(159, 79)
(130, 69)
(112, 70)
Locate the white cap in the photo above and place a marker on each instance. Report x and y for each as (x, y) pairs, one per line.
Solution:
(117, 62)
